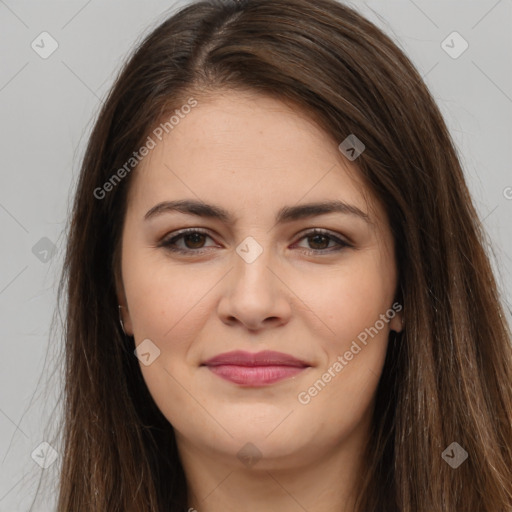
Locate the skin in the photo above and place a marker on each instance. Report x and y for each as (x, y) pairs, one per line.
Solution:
(252, 155)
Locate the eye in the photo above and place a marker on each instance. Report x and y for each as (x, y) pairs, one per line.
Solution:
(193, 239)
(319, 240)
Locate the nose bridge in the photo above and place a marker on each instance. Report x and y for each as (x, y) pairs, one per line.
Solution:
(252, 261)
(253, 293)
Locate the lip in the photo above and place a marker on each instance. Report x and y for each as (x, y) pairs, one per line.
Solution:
(264, 358)
(255, 369)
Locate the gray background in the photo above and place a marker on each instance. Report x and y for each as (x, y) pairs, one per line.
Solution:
(48, 106)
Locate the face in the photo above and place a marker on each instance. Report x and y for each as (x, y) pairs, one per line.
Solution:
(253, 275)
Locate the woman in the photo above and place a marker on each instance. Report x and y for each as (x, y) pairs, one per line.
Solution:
(272, 206)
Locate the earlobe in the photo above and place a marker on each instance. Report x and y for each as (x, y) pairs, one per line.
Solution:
(397, 323)
(125, 320)
(123, 312)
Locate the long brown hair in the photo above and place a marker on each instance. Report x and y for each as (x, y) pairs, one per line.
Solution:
(447, 377)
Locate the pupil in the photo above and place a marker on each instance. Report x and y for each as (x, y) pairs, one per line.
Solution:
(319, 236)
(194, 236)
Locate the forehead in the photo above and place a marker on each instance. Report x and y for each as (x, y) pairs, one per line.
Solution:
(247, 150)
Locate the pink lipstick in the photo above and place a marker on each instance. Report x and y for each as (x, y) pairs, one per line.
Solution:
(259, 369)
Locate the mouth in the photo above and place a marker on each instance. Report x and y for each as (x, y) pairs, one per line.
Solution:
(255, 369)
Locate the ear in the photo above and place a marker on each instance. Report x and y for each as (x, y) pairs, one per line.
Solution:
(397, 322)
(124, 312)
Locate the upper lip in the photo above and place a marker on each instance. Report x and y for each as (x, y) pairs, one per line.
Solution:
(264, 358)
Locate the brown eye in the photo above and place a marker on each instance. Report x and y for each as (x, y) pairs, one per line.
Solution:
(193, 240)
(319, 240)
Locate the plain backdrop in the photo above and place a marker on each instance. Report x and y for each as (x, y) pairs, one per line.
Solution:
(47, 109)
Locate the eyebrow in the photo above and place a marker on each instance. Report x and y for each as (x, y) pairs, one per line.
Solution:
(285, 214)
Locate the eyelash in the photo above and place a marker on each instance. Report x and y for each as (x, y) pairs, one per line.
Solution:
(168, 243)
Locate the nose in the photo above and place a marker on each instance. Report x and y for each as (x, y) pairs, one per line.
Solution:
(255, 294)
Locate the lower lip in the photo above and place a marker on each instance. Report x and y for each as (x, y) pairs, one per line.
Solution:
(255, 375)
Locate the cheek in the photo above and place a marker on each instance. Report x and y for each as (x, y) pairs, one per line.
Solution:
(354, 349)
(352, 298)
(351, 302)
(166, 306)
